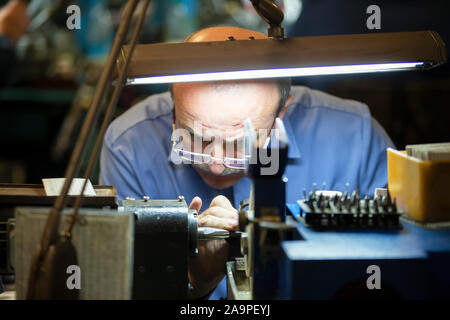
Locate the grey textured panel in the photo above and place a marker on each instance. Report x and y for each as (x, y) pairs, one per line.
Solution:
(104, 243)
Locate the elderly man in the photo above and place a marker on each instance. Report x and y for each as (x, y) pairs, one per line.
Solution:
(332, 141)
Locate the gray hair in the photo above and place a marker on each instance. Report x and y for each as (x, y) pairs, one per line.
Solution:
(284, 85)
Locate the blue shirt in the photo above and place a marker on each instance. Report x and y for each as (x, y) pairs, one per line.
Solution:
(333, 141)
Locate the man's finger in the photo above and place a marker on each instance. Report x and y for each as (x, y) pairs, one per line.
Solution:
(208, 220)
(196, 204)
(221, 201)
(223, 213)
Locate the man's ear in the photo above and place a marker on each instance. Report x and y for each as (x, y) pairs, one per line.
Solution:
(283, 111)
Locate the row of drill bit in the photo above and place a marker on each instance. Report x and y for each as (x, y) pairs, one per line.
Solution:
(346, 203)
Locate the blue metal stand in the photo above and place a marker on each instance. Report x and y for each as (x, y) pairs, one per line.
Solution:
(414, 263)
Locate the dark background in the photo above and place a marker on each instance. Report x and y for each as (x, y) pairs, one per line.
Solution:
(42, 110)
(413, 107)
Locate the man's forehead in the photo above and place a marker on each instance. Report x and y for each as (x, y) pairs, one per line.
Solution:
(213, 120)
(231, 102)
(223, 85)
(207, 131)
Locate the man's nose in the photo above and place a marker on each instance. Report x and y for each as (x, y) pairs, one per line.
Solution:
(216, 166)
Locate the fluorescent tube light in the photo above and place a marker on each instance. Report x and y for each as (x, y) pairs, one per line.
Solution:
(274, 73)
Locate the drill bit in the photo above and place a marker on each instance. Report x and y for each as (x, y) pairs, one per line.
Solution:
(208, 233)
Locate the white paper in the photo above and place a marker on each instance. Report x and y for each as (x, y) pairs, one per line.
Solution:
(54, 186)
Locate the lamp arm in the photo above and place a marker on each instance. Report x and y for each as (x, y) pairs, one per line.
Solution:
(109, 112)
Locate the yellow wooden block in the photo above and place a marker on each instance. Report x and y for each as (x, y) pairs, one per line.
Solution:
(421, 188)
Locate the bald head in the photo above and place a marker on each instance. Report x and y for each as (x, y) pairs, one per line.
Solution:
(224, 34)
(220, 108)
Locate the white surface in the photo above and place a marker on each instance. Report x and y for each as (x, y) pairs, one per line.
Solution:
(54, 186)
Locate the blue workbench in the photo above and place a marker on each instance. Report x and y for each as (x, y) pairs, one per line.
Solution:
(414, 262)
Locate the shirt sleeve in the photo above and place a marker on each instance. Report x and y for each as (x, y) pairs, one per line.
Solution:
(116, 170)
(373, 170)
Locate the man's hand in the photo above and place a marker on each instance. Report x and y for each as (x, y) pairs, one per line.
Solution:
(208, 268)
(220, 214)
(14, 20)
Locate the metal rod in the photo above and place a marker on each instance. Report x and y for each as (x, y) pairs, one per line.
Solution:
(207, 233)
(108, 115)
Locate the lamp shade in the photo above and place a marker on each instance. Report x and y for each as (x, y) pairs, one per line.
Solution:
(290, 57)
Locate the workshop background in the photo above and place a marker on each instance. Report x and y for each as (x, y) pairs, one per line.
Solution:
(43, 107)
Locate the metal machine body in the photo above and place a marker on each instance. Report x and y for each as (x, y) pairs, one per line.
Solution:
(165, 239)
(33, 195)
